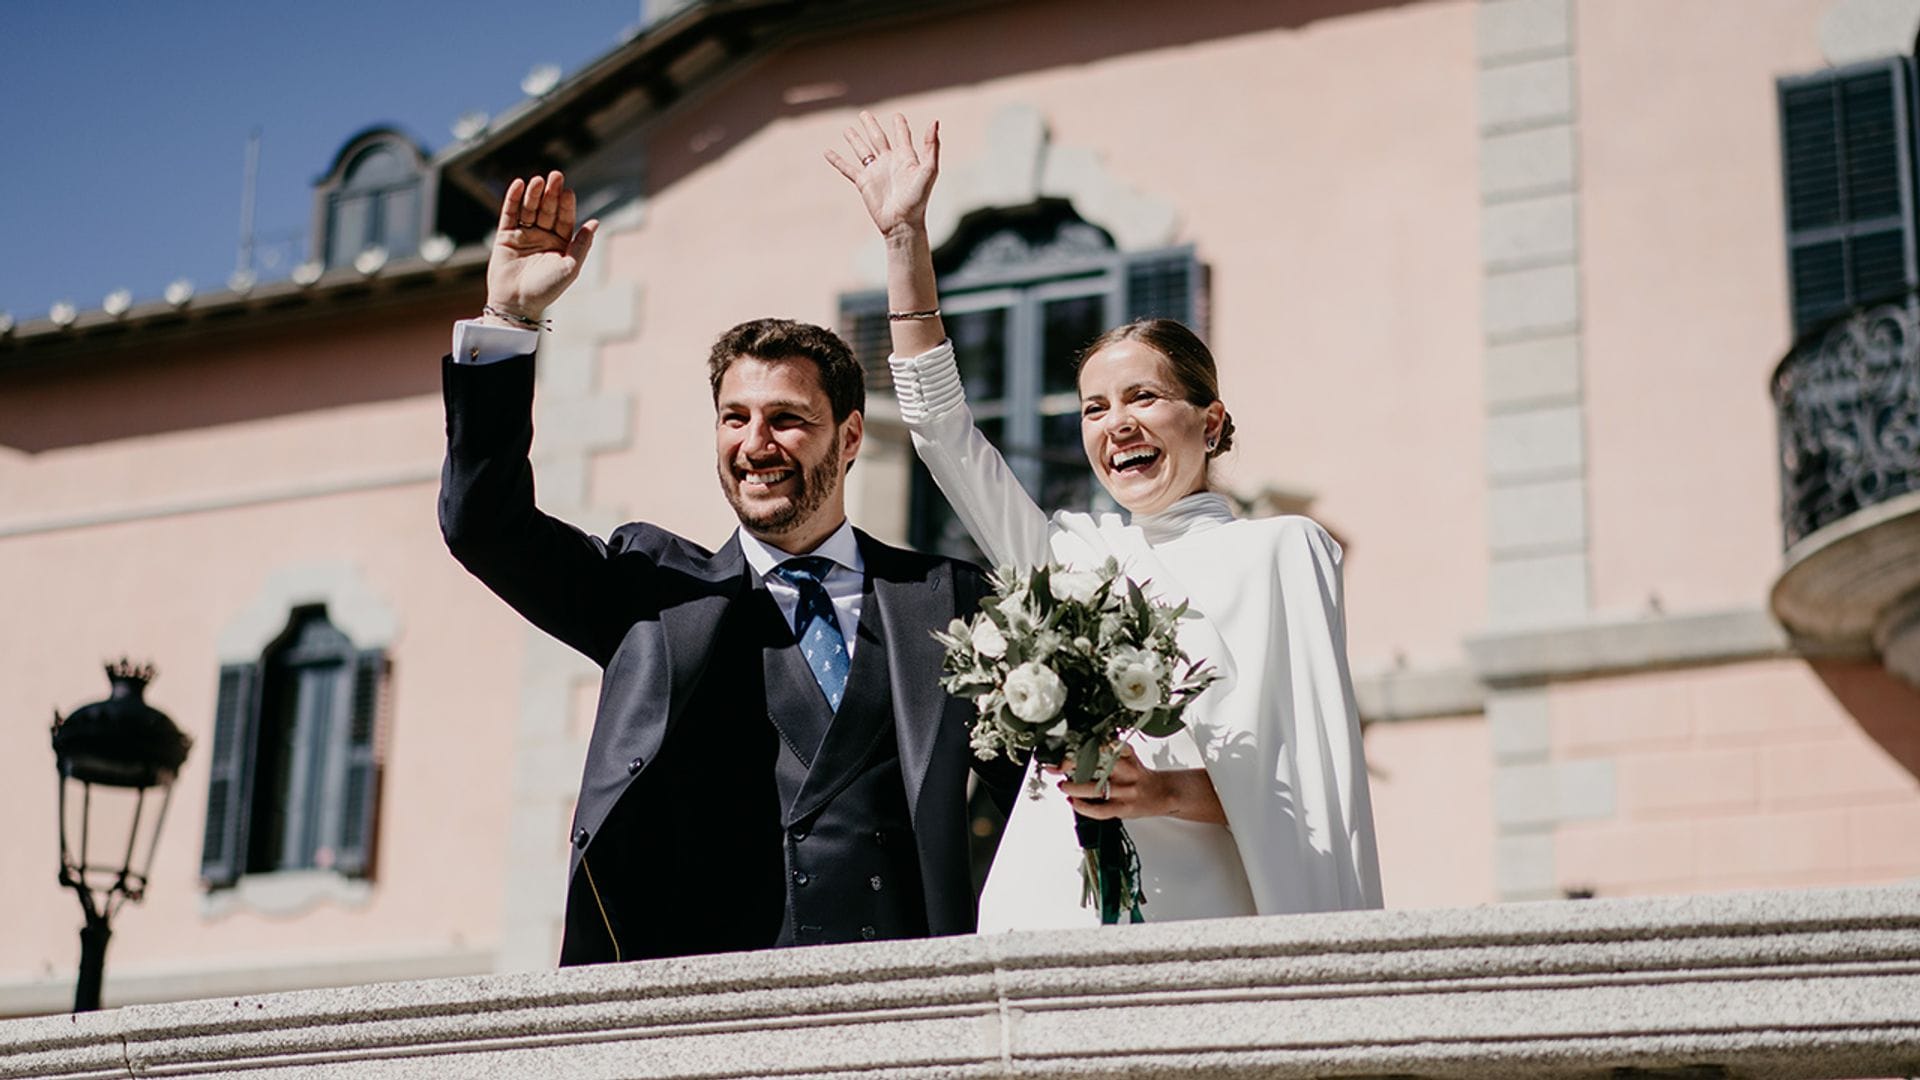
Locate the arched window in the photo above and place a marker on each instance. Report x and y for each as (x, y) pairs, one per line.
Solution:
(376, 203)
(1022, 291)
(294, 771)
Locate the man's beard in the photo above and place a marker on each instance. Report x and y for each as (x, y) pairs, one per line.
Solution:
(816, 484)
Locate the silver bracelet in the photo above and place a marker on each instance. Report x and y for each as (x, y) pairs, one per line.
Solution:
(905, 316)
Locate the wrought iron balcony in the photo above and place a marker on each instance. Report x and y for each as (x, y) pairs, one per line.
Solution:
(1848, 397)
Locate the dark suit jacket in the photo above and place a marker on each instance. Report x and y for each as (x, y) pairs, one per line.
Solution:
(650, 608)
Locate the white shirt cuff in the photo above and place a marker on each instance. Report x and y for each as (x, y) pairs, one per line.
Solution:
(475, 342)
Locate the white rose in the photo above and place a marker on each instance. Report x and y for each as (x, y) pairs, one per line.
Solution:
(1075, 585)
(988, 640)
(1034, 693)
(1137, 687)
(1127, 656)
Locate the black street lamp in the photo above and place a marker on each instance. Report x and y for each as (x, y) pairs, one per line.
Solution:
(121, 746)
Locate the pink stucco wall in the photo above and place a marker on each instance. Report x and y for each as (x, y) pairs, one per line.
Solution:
(1433, 811)
(1775, 773)
(1322, 157)
(1344, 292)
(1683, 264)
(163, 587)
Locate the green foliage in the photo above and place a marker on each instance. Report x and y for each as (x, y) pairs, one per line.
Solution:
(1062, 664)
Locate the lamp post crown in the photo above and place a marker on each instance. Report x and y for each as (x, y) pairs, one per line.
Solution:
(122, 741)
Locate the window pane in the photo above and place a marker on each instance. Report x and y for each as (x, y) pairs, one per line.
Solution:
(306, 783)
(399, 224)
(980, 347)
(935, 526)
(1066, 481)
(347, 232)
(378, 167)
(1066, 328)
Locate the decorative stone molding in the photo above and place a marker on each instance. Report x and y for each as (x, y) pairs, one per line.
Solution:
(1780, 984)
(295, 490)
(286, 893)
(1418, 693)
(1841, 581)
(1620, 646)
(352, 605)
(1855, 30)
(1531, 322)
(1022, 164)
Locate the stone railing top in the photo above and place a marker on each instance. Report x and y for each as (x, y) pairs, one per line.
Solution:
(1775, 984)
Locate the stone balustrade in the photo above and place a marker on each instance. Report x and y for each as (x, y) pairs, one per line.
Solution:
(1772, 984)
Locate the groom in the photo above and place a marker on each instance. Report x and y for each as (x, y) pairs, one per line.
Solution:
(773, 761)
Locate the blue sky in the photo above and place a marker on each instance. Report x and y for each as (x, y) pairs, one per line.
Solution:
(126, 123)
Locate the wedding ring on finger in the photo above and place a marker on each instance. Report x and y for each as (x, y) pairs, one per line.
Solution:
(868, 160)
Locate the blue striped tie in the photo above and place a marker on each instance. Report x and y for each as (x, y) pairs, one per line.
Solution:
(815, 625)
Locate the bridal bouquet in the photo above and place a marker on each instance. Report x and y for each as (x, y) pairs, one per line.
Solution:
(1061, 665)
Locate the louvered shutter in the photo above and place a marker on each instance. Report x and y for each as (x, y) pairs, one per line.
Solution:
(863, 322)
(1164, 284)
(360, 803)
(229, 768)
(1847, 163)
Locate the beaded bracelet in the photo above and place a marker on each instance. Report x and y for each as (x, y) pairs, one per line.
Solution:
(517, 320)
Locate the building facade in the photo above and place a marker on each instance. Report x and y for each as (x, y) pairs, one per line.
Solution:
(1498, 288)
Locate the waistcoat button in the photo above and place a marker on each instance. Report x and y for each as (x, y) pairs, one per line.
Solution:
(869, 933)
(800, 877)
(875, 882)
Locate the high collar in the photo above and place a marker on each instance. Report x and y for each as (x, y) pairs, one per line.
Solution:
(1197, 512)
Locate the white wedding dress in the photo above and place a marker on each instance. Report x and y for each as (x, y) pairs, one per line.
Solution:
(1278, 734)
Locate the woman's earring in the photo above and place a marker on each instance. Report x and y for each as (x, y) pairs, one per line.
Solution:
(1212, 442)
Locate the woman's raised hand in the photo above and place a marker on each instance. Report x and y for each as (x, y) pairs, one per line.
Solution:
(894, 175)
(536, 252)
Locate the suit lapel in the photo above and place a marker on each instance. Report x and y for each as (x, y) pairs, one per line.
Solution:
(912, 607)
(690, 630)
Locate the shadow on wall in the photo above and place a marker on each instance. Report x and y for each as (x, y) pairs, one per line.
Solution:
(233, 376)
(974, 46)
(1886, 709)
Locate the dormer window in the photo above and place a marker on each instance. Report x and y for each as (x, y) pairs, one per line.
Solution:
(374, 197)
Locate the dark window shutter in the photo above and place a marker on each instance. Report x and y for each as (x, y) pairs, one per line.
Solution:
(1164, 284)
(236, 711)
(360, 803)
(1847, 163)
(863, 322)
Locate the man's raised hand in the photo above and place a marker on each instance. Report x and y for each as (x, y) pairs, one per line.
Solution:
(893, 175)
(536, 251)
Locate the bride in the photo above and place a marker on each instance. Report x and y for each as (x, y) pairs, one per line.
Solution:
(1260, 805)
